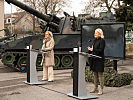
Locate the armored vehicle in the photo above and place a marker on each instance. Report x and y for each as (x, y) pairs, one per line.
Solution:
(66, 35)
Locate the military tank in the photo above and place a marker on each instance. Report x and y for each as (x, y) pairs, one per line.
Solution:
(66, 35)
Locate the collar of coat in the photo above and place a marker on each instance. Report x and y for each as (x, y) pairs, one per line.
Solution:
(98, 38)
(48, 39)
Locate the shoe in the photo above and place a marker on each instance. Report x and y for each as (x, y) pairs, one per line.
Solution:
(50, 80)
(100, 91)
(44, 79)
(94, 90)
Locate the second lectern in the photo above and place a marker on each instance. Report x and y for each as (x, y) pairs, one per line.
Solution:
(79, 83)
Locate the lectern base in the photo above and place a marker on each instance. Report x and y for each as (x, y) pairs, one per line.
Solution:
(88, 96)
(34, 83)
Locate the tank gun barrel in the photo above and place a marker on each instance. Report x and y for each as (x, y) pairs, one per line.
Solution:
(53, 19)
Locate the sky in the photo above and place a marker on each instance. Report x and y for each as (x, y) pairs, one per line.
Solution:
(76, 6)
(7, 8)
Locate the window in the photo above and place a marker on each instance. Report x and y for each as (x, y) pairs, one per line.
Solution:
(8, 20)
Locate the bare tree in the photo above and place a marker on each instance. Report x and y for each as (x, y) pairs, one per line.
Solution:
(94, 6)
(108, 4)
(52, 6)
(118, 3)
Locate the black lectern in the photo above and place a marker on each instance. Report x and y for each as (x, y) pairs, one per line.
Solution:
(79, 84)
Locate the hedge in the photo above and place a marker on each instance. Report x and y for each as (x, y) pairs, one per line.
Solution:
(111, 77)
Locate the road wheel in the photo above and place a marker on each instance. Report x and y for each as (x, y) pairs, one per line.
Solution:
(8, 58)
(67, 60)
(57, 61)
(38, 63)
(21, 64)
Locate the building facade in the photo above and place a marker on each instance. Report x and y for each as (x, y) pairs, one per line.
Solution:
(22, 22)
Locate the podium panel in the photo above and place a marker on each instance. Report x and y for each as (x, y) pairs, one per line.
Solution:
(81, 80)
(32, 77)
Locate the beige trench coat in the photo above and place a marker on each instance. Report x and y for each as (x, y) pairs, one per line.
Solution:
(48, 58)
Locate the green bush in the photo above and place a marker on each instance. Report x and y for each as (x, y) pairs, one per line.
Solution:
(111, 77)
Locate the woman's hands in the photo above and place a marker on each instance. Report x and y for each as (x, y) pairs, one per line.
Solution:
(91, 49)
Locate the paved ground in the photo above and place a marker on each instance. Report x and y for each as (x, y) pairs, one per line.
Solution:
(12, 86)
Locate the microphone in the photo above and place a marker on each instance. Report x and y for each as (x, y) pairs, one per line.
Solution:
(89, 40)
(89, 44)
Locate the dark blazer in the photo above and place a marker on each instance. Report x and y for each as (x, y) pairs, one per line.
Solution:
(97, 64)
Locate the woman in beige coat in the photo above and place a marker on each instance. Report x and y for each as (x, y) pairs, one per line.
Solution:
(48, 58)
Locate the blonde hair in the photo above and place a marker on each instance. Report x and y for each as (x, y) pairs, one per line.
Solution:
(100, 31)
(49, 32)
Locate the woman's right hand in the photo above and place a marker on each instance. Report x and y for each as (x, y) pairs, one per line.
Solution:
(91, 49)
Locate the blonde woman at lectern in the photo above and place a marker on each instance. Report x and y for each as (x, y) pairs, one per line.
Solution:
(48, 58)
(97, 64)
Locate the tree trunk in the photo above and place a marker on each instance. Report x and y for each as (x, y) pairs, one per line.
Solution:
(118, 3)
(107, 5)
